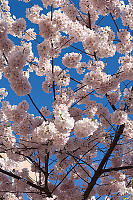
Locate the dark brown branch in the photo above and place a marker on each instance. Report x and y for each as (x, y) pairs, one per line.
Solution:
(80, 176)
(89, 17)
(82, 161)
(79, 13)
(36, 107)
(81, 50)
(27, 182)
(76, 160)
(64, 178)
(5, 57)
(51, 12)
(77, 89)
(82, 98)
(75, 80)
(95, 56)
(52, 57)
(99, 170)
(100, 20)
(62, 71)
(72, 169)
(46, 170)
(53, 80)
(117, 168)
(114, 22)
(64, 43)
(113, 107)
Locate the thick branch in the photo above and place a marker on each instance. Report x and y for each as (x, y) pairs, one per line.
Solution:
(46, 170)
(89, 17)
(27, 182)
(52, 57)
(113, 107)
(5, 57)
(118, 168)
(99, 171)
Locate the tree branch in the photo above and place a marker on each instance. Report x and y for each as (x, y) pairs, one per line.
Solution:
(117, 168)
(36, 107)
(114, 22)
(27, 182)
(89, 17)
(99, 170)
(113, 107)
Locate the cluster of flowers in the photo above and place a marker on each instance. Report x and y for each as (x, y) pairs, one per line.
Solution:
(63, 121)
(98, 80)
(125, 45)
(58, 131)
(128, 96)
(10, 196)
(23, 122)
(101, 7)
(88, 125)
(119, 117)
(72, 60)
(5, 43)
(14, 73)
(3, 93)
(58, 76)
(127, 15)
(125, 72)
(100, 42)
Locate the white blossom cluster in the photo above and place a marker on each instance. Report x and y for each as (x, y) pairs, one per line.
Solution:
(23, 122)
(128, 96)
(72, 60)
(119, 117)
(19, 26)
(98, 80)
(103, 7)
(125, 45)
(33, 14)
(10, 196)
(85, 127)
(63, 122)
(128, 130)
(45, 132)
(100, 42)
(127, 15)
(57, 132)
(3, 93)
(5, 43)
(14, 73)
(60, 77)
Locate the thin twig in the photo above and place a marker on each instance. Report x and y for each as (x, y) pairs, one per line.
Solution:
(5, 57)
(75, 80)
(114, 22)
(36, 107)
(100, 20)
(82, 98)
